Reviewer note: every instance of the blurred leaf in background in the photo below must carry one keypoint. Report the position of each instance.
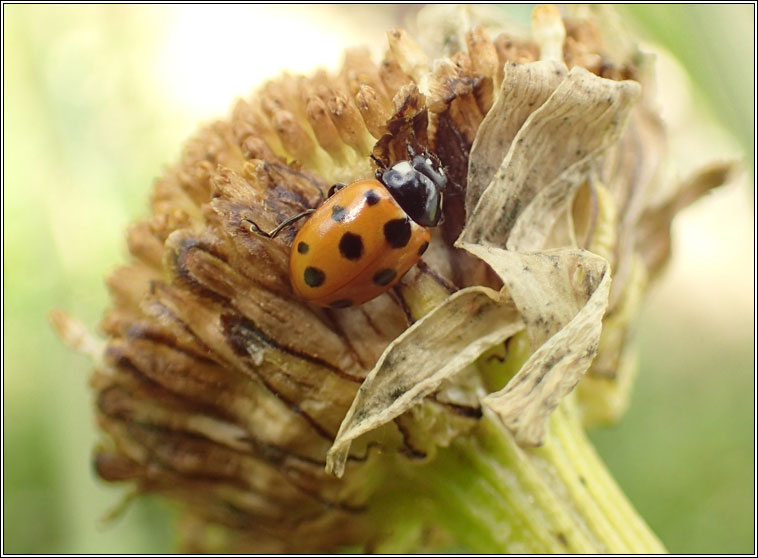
(84, 138)
(716, 44)
(98, 99)
(684, 453)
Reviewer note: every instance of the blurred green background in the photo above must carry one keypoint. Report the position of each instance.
(98, 100)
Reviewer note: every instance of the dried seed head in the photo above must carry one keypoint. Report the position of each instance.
(220, 389)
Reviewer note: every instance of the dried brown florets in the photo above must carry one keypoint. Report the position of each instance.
(222, 390)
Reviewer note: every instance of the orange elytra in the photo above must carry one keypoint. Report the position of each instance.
(362, 240)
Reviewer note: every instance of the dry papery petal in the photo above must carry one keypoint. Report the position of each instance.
(562, 296)
(416, 363)
(534, 149)
(654, 236)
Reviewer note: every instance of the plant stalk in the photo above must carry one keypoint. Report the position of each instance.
(493, 496)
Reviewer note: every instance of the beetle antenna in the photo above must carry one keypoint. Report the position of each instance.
(257, 230)
(378, 161)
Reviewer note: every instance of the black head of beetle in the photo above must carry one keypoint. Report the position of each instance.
(417, 185)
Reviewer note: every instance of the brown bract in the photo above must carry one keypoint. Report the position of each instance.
(217, 387)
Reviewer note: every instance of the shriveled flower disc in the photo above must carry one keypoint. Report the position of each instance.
(218, 387)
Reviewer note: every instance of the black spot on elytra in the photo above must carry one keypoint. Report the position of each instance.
(351, 246)
(302, 248)
(341, 303)
(314, 277)
(372, 198)
(338, 213)
(384, 277)
(397, 232)
(422, 248)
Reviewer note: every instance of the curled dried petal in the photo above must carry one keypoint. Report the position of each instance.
(435, 348)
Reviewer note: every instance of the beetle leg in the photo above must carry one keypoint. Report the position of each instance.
(257, 230)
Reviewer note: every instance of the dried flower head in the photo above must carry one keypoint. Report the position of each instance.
(219, 388)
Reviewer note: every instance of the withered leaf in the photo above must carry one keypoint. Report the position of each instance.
(548, 159)
(525, 88)
(561, 296)
(414, 365)
(654, 239)
(541, 159)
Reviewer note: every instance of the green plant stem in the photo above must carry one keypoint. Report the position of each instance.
(494, 496)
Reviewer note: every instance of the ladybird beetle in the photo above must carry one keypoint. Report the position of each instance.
(362, 240)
